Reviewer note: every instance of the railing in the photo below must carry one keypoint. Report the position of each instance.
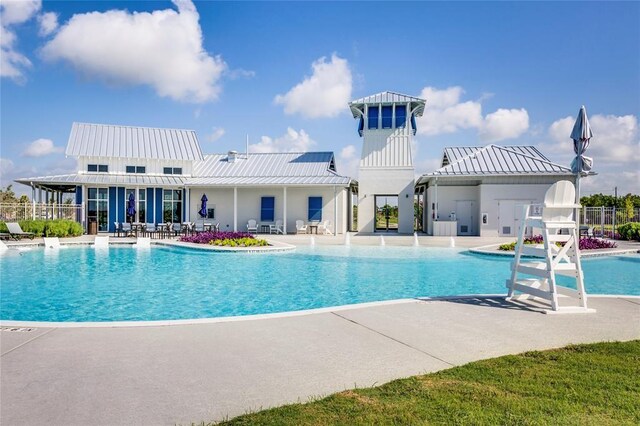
(13, 212)
(604, 221)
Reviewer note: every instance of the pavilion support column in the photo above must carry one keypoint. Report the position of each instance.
(235, 209)
(33, 202)
(284, 211)
(335, 210)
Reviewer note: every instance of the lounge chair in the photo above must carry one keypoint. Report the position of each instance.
(325, 227)
(301, 228)
(277, 228)
(16, 232)
(3, 247)
(125, 227)
(252, 226)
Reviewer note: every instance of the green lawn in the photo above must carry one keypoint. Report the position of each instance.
(596, 384)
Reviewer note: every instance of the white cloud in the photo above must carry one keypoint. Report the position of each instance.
(292, 141)
(162, 49)
(323, 94)
(615, 139)
(445, 112)
(13, 64)
(40, 148)
(504, 124)
(216, 133)
(48, 23)
(348, 161)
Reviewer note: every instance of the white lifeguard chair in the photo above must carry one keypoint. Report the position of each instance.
(557, 225)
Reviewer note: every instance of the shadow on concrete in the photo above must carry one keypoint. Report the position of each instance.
(498, 302)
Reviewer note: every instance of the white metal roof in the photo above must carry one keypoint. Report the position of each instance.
(290, 168)
(492, 160)
(387, 98)
(102, 140)
(106, 179)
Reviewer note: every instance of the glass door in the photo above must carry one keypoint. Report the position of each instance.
(386, 213)
(98, 207)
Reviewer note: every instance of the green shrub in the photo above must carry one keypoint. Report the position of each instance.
(239, 242)
(630, 231)
(49, 228)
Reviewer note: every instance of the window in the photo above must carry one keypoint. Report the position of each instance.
(141, 204)
(267, 207)
(131, 169)
(102, 168)
(387, 116)
(315, 209)
(177, 170)
(401, 116)
(172, 206)
(361, 126)
(373, 118)
(211, 213)
(172, 170)
(136, 169)
(168, 171)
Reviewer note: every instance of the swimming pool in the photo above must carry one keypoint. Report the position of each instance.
(162, 283)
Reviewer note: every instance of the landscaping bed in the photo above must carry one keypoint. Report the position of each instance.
(225, 239)
(588, 243)
(584, 384)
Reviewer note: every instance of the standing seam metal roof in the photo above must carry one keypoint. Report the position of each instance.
(496, 160)
(102, 140)
(387, 98)
(268, 168)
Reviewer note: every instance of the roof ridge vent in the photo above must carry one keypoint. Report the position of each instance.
(231, 156)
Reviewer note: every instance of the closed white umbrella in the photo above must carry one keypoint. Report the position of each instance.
(581, 136)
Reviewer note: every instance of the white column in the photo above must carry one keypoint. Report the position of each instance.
(235, 209)
(335, 211)
(284, 212)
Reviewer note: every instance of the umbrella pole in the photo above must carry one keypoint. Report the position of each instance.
(578, 208)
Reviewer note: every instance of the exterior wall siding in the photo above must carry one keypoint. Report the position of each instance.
(377, 181)
(119, 165)
(112, 208)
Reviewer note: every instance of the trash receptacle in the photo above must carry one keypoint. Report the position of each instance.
(93, 227)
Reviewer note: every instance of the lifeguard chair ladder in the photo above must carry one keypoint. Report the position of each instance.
(556, 217)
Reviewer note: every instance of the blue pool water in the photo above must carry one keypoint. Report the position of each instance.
(125, 284)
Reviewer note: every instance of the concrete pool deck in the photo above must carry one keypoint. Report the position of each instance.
(205, 372)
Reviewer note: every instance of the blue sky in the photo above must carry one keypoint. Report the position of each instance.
(283, 72)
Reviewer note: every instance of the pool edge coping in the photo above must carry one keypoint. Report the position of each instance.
(274, 315)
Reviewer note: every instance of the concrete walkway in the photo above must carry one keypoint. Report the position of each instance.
(205, 372)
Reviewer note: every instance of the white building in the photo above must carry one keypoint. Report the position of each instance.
(386, 174)
(481, 190)
(168, 175)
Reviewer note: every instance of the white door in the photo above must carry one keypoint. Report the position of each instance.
(464, 216)
(506, 218)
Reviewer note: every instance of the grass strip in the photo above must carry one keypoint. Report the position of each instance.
(595, 384)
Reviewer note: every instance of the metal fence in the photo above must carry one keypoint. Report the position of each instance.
(604, 221)
(13, 212)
